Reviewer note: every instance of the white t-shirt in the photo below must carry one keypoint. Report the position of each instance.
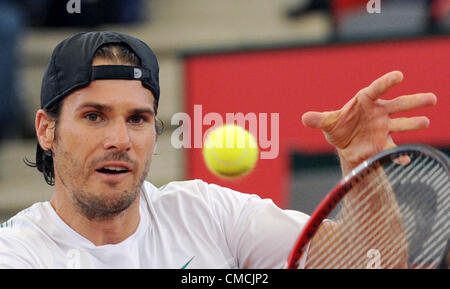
(189, 224)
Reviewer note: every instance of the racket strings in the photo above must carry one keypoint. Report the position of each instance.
(432, 246)
(394, 247)
(435, 218)
(364, 244)
(436, 212)
(375, 219)
(353, 236)
(407, 231)
(351, 255)
(344, 225)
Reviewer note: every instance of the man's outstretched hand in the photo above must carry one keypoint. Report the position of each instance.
(362, 127)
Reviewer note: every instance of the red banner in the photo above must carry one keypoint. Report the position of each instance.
(289, 82)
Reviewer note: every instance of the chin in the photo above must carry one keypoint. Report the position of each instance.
(105, 204)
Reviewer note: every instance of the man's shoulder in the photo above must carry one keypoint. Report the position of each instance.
(187, 185)
(27, 214)
(177, 189)
(21, 234)
(196, 191)
(195, 187)
(24, 226)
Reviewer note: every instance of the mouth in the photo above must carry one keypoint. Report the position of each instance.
(113, 171)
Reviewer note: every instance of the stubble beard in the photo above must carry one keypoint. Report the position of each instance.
(100, 207)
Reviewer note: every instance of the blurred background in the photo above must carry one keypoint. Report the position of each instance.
(249, 56)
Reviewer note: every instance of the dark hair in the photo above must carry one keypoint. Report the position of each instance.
(117, 53)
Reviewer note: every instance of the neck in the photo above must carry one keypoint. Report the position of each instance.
(111, 230)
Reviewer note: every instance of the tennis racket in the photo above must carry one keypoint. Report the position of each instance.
(392, 211)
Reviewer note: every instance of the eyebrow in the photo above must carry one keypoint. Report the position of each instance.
(143, 111)
(97, 106)
(106, 108)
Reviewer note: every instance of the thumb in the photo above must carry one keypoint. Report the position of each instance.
(389, 144)
(314, 119)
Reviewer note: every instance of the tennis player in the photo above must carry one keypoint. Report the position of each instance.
(97, 130)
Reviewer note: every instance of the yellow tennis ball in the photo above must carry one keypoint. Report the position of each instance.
(230, 151)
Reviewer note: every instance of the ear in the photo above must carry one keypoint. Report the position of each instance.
(45, 129)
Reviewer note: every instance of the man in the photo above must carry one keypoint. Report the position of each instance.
(97, 131)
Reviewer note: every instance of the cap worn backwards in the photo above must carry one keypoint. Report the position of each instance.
(71, 68)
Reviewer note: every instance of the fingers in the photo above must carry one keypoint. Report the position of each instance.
(408, 123)
(381, 85)
(409, 102)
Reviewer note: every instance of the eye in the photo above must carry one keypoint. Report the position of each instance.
(92, 117)
(137, 119)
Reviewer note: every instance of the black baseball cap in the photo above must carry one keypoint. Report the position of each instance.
(71, 68)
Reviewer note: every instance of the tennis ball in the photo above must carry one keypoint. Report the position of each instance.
(230, 151)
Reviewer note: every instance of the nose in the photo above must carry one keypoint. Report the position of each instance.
(118, 137)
